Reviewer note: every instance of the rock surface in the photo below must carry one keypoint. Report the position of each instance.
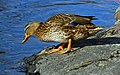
(93, 56)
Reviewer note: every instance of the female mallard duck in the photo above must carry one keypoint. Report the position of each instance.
(58, 28)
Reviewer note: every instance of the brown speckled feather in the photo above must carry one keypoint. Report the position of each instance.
(60, 32)
(68, 18)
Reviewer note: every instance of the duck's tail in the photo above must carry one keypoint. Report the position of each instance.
(95, 30)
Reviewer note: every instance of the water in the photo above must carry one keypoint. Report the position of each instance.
(15, 14)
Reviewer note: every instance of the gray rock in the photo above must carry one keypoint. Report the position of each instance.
(117, 14)
(93, 56)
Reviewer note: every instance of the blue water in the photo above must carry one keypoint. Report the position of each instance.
(15, 14)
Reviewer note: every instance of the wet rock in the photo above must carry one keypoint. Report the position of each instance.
(113, 31)
(93, 56)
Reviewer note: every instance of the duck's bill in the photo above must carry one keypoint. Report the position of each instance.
(25, 38)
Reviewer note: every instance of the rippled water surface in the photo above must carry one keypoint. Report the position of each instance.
(15, 14)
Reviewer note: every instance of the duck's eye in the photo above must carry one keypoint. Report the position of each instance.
(26, 27)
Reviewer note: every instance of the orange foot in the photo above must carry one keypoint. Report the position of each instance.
(69, 48)
(61, 47)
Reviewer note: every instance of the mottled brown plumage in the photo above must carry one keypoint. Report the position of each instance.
(58, 28)
(69, 18)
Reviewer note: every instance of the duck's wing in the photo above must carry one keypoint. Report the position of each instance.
(61, 32)
(71, 18)
(68, 28)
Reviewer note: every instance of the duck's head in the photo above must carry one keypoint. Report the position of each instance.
(30, 29)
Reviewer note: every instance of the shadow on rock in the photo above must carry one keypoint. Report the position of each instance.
(97, 41)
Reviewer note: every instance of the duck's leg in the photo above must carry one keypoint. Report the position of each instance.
(69, 48)
(61, 47)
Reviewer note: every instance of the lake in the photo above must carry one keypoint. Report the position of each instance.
(15, 14)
